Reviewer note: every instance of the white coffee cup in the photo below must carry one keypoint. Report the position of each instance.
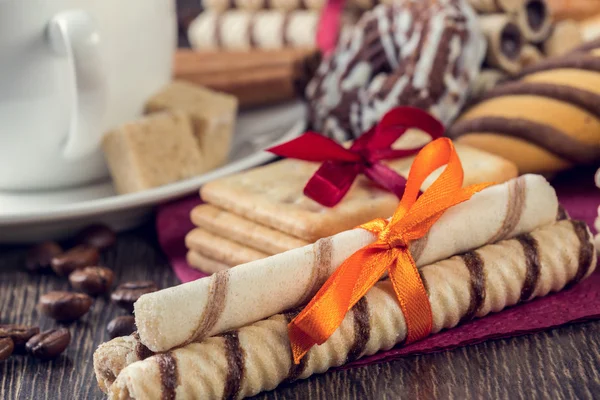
(69, 71)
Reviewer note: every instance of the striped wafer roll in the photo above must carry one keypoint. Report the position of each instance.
(243, 30)
(547, 121)
(504, 42)
(534, 20)
(255, 5)
(257, 357)
(257, 290)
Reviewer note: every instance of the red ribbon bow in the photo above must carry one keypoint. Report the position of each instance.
(341, 166)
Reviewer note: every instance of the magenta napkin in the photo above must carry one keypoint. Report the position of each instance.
(576, 192)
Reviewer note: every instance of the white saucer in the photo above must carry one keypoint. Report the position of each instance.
(36, 216)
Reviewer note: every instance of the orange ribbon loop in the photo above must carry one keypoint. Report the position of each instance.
(390, 252)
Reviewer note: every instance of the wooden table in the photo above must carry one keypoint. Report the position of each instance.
(561, 363)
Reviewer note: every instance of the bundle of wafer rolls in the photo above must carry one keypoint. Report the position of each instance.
(262, 212)
(547, 121)
(255, 77)
(226, 337)
(244, 30)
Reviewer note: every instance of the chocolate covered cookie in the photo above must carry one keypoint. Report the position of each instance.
(546, 121)
(410, 53)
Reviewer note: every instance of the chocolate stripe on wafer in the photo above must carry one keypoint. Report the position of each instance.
(218, 21)
(362, 329)
(561, 144)
(235, 365)
(583, 99)
(322, 251)
(586, 250)
(532, 261)
(215, 305)
(417, 246)
(250, 32)
(141, 351)
(284, 30)
(474, 264)
(577, 61)
(169, 377)
(561, 214)
(514, 209)
(295, 369)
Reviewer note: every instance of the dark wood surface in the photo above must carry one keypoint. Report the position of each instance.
(561, 363)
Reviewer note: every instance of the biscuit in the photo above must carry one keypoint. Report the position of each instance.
(221, 249)
(242, 230)
(272, 195)
(204, 264)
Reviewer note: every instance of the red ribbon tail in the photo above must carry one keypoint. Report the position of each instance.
(329, 26)
(331, 182)
(387, 178)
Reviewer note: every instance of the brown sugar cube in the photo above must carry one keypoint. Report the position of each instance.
(213, 116)
(152, 151)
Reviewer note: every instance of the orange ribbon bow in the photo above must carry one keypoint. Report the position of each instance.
(357, 274)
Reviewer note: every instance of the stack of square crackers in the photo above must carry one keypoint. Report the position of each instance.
(263, 211)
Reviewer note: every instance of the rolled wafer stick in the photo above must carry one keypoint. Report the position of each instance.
(257, 357)
(565, 36)
(534, 21)
(530, 55)
(266, 287)
(504, 42)
(243, 30)
(487, 79)
(494, 6)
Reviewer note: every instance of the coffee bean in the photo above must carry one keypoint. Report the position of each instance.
(19, 334)
(98, 236)
(76, 258)
(121, 326)
(49, 344)
(6, 348)
(92, 280)
(39, 257)
(128, 293)
(65, 306)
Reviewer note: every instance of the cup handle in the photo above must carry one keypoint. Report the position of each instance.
(73, 34)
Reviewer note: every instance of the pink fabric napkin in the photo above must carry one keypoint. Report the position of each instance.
(576, 192)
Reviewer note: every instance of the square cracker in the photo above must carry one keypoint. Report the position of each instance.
(243, 231)
(221, 249)
(272, 195)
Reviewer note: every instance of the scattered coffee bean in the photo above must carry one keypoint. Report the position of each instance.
(49, 344)
(128, 293)
(98, 236)
(121, 326)
(65, 306)
(6, 348)
(19, 334)
(92, 280)
(39, 257)
(76, 258)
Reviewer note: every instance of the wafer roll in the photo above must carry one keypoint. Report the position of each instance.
(504, 42)
(257, 290)
(494, 6)
(487, 79)
(242, 30)
(204, 264)
(530, 55)
(242, 230)
(255, 5)
(566, 35)
(534, 21)
(256, 358)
